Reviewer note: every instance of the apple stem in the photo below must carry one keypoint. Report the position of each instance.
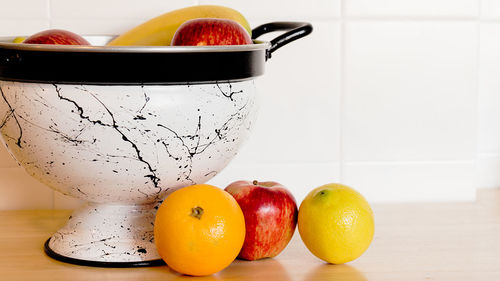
(255, 182)
(197, 212)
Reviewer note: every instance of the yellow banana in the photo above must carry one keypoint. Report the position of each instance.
(160, 30)
(19, 39)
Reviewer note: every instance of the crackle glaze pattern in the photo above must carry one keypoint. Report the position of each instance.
(107, 232)
(126, 145)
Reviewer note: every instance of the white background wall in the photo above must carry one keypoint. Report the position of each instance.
(398, 98)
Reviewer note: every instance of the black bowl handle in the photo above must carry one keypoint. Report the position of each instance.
(295, 30)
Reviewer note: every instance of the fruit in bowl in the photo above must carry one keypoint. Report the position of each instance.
(56, 37)
(208, 31)
(19, 39)
(270, 217)
(160, 30)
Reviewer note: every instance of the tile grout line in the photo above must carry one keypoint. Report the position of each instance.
(49, 12)
(489, 20)
(408, 162)
(489, 154)
(411, 18)
(342, 91)
(478, 87)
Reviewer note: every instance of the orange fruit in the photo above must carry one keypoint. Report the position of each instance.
(199, 230)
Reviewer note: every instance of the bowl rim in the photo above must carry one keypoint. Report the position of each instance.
(125, 65)
(6, 42)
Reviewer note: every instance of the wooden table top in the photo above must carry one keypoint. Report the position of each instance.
(417, 241)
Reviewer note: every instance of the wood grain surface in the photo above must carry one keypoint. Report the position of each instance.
(417, 241)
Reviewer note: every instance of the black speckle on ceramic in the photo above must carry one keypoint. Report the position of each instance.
(122, 146)
(106, 232)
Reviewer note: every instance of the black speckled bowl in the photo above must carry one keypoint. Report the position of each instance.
(120, 127)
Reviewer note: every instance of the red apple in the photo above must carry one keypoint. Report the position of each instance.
(270, 214)
(208, 31)
(57, 37)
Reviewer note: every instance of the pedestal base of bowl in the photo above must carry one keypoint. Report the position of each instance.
(107, 236)
(123, 144)
(66, 259)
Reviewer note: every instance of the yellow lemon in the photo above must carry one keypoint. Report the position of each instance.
(336, 223)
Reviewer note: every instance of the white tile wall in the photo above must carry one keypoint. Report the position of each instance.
(418, 181)
(21, 10)
(411, 8)
(283, 10)
(62, 201)
(490, 9)
(20, 191)
(108, 17)
(300, 178)
(489, 103)
(415, 85)
(298, 119)
(395, 98)
(489, 86)
(96, 26)
(13, 27)
(488, 167)
(113, 9)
